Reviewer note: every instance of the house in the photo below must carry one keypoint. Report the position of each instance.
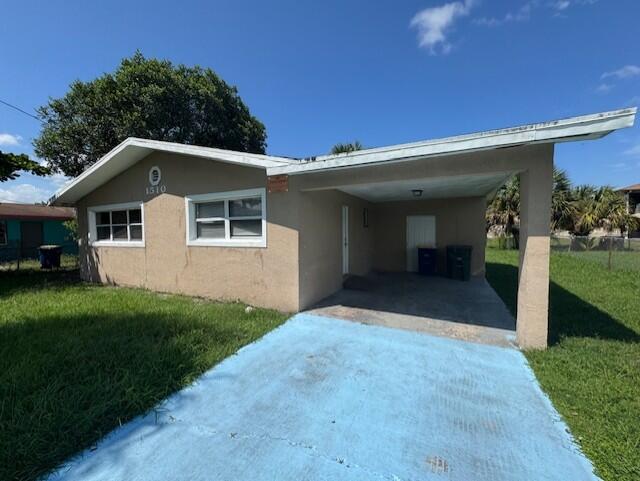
(632, 196)
(283, 233)
(25, 227)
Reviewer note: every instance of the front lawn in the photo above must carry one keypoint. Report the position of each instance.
(78, 360)
(591, 370)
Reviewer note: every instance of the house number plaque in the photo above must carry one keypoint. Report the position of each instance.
(155, 177)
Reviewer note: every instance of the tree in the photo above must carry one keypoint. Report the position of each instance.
(147, 98)
(614, 214)
(504, 210)
(12, 164)
(562, 209)
(588, 207)
(345, 148)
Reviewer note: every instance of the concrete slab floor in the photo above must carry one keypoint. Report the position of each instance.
(470, 311)
(324, 399)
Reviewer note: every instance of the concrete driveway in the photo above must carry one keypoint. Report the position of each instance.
(327, 399)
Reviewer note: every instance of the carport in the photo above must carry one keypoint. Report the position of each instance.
(469, 311)
(356, 209)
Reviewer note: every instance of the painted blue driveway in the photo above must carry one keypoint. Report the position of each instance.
(325, 399)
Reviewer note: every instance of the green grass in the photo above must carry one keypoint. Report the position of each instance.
(620, 260)
(67, 261)
(77, 360)
(591, 370)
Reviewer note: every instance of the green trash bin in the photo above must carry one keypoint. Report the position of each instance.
(459, 262)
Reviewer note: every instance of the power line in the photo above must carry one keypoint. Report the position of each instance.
(20, 110)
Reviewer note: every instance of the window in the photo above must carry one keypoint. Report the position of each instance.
(227, 219)
(3, 232)
(118, 224)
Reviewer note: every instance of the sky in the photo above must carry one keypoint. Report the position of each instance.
(317, 73)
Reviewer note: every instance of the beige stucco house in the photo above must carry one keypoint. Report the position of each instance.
(283, 233)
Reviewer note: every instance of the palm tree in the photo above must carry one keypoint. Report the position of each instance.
(562, 209)
(347, 147)
(504, 210)
(587, 213)
(614, 215)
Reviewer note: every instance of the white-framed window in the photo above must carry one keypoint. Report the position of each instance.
(120, 225)
(233, 219)
(3, 233)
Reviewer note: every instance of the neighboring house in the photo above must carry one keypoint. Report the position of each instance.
(283, 233)
(25, 227)
(632, 195)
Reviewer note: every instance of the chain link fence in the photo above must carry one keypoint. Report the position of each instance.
(13, 256)
(612, 252)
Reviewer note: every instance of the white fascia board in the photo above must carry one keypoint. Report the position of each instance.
(231, 156)
(134, 149)
(565, 130)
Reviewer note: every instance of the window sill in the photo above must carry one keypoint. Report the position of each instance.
(116, 244)
(261, 243)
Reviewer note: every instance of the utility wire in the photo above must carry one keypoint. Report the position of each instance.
(20, 110)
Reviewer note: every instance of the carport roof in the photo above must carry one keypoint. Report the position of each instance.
(571, 129)
(133, 150)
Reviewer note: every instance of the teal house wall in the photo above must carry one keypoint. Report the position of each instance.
(13, 231)
(53, 232)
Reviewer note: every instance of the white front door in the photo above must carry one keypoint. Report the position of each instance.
(345, 239)
(421, 232)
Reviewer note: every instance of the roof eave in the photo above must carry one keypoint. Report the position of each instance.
(75, 191)
(566, 130)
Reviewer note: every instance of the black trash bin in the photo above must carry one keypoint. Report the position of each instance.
(50, 256)
(427, 257)
(459, 262)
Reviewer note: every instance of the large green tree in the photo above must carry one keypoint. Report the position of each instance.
(147, 98)
(12, 164)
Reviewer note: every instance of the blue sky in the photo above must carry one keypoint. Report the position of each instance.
(317, 73)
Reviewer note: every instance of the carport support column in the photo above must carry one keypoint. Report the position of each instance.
(536, 185)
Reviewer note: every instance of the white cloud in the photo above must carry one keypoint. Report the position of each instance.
(561, 5)
(635, 150)
(10, 139)
(621, 166)
(26, 193)
(525, 11)
(434, 23)
(604, 88)
(520, 15)
(59, 180)
(627, 71)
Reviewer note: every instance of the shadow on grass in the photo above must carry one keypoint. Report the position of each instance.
(67, 381)
(29, 279)
(569, 315)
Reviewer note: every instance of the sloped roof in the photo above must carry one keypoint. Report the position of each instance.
(584, 127)
(133, 150)
(31, 212)
(631, 188)
(564, 130)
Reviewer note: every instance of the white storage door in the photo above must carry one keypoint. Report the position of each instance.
(421, 231)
